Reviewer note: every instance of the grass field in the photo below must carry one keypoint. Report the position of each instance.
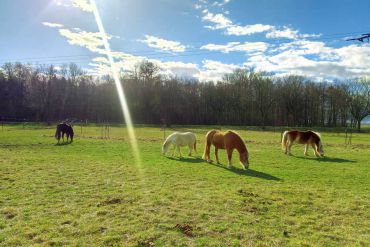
(92, 193)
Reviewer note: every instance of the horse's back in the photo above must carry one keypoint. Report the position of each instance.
(233, 139)
(304, 137)
(184, 138)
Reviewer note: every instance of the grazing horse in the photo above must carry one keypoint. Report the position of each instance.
(302, 137)
(229, 140)
(178, 140)
(62, 129)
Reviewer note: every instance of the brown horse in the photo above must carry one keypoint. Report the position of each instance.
(229, 140)
(302, 137)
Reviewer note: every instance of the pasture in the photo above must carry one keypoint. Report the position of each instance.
(93, 193)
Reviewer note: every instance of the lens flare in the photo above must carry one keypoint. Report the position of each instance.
(121, 94)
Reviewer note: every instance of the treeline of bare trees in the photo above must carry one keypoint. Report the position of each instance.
(241, 98)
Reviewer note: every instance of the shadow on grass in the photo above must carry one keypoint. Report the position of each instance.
(326, 159)
(249, 172)
(63, 143)
(186, 159)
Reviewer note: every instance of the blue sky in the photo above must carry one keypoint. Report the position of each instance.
(196, 38)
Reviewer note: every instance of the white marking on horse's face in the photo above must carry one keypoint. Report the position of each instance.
(246, 165)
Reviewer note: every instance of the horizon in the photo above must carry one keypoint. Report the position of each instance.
(194, 39)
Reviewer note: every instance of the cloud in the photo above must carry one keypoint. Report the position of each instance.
(248, 29)
(214, 70)
(84, 5)
(90, 40)
(288, 33)
(51, 24)
(220, 4)
(237, 46)
(314, 59)
(163, 44)
(220, 21)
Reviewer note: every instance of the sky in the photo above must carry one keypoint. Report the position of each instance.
(200, 39)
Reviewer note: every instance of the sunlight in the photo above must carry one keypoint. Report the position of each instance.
(121, 94)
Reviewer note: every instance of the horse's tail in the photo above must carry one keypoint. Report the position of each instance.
(284, 139)
(208, 142)
(195, 145)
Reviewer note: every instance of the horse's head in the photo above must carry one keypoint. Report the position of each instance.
(321, 149)
(165, 147)
(244, 159)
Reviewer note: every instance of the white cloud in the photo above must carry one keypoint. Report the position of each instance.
(219, 21)
(248, 29)
(315, 59)
(237, 46)
(163, 44)
(51, 24)
(288, 33)
(60, 3)
(220, 4)
(214, 70)
(90, 40)
(84, 5)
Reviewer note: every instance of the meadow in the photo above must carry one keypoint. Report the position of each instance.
(93, 193)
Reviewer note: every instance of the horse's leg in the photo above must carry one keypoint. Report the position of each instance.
(190, 149)
(314, 146)
(290, 147)
(63, 136)
(305, 149)
(173, 150)
(229, 156)
(216, 154)
(178, 148)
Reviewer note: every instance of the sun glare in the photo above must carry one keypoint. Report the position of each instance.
(120, 90)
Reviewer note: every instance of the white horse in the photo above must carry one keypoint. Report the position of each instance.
(178, 140)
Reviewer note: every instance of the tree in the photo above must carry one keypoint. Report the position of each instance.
(359, 100)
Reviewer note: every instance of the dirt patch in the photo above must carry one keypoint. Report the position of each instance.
(67, 222)
(9, 215)
(246, 193)
(185, 229)
(31, 235)
(110, 202)
(146, 243)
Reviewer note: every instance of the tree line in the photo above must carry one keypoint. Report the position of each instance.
(243, 97)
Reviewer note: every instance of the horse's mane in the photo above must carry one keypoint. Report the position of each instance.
(317, 133)
(244, 147)
(167, 141)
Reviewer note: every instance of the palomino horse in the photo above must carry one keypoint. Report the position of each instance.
(178, 140)
(302, 137)
(229, 140)
(62, 129)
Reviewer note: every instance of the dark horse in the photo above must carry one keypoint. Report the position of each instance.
(62, 129)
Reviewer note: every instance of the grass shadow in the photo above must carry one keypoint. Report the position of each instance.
(326, 159)
(186, 159)
(248, 172)
(63, 143)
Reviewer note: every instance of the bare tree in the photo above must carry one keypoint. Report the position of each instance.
(359, 100)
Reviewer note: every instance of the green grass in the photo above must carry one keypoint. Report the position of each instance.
(91, 193)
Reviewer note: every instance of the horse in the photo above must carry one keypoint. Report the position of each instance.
(64, 128)
(228, 140)
(302, 137)
(178, 139)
